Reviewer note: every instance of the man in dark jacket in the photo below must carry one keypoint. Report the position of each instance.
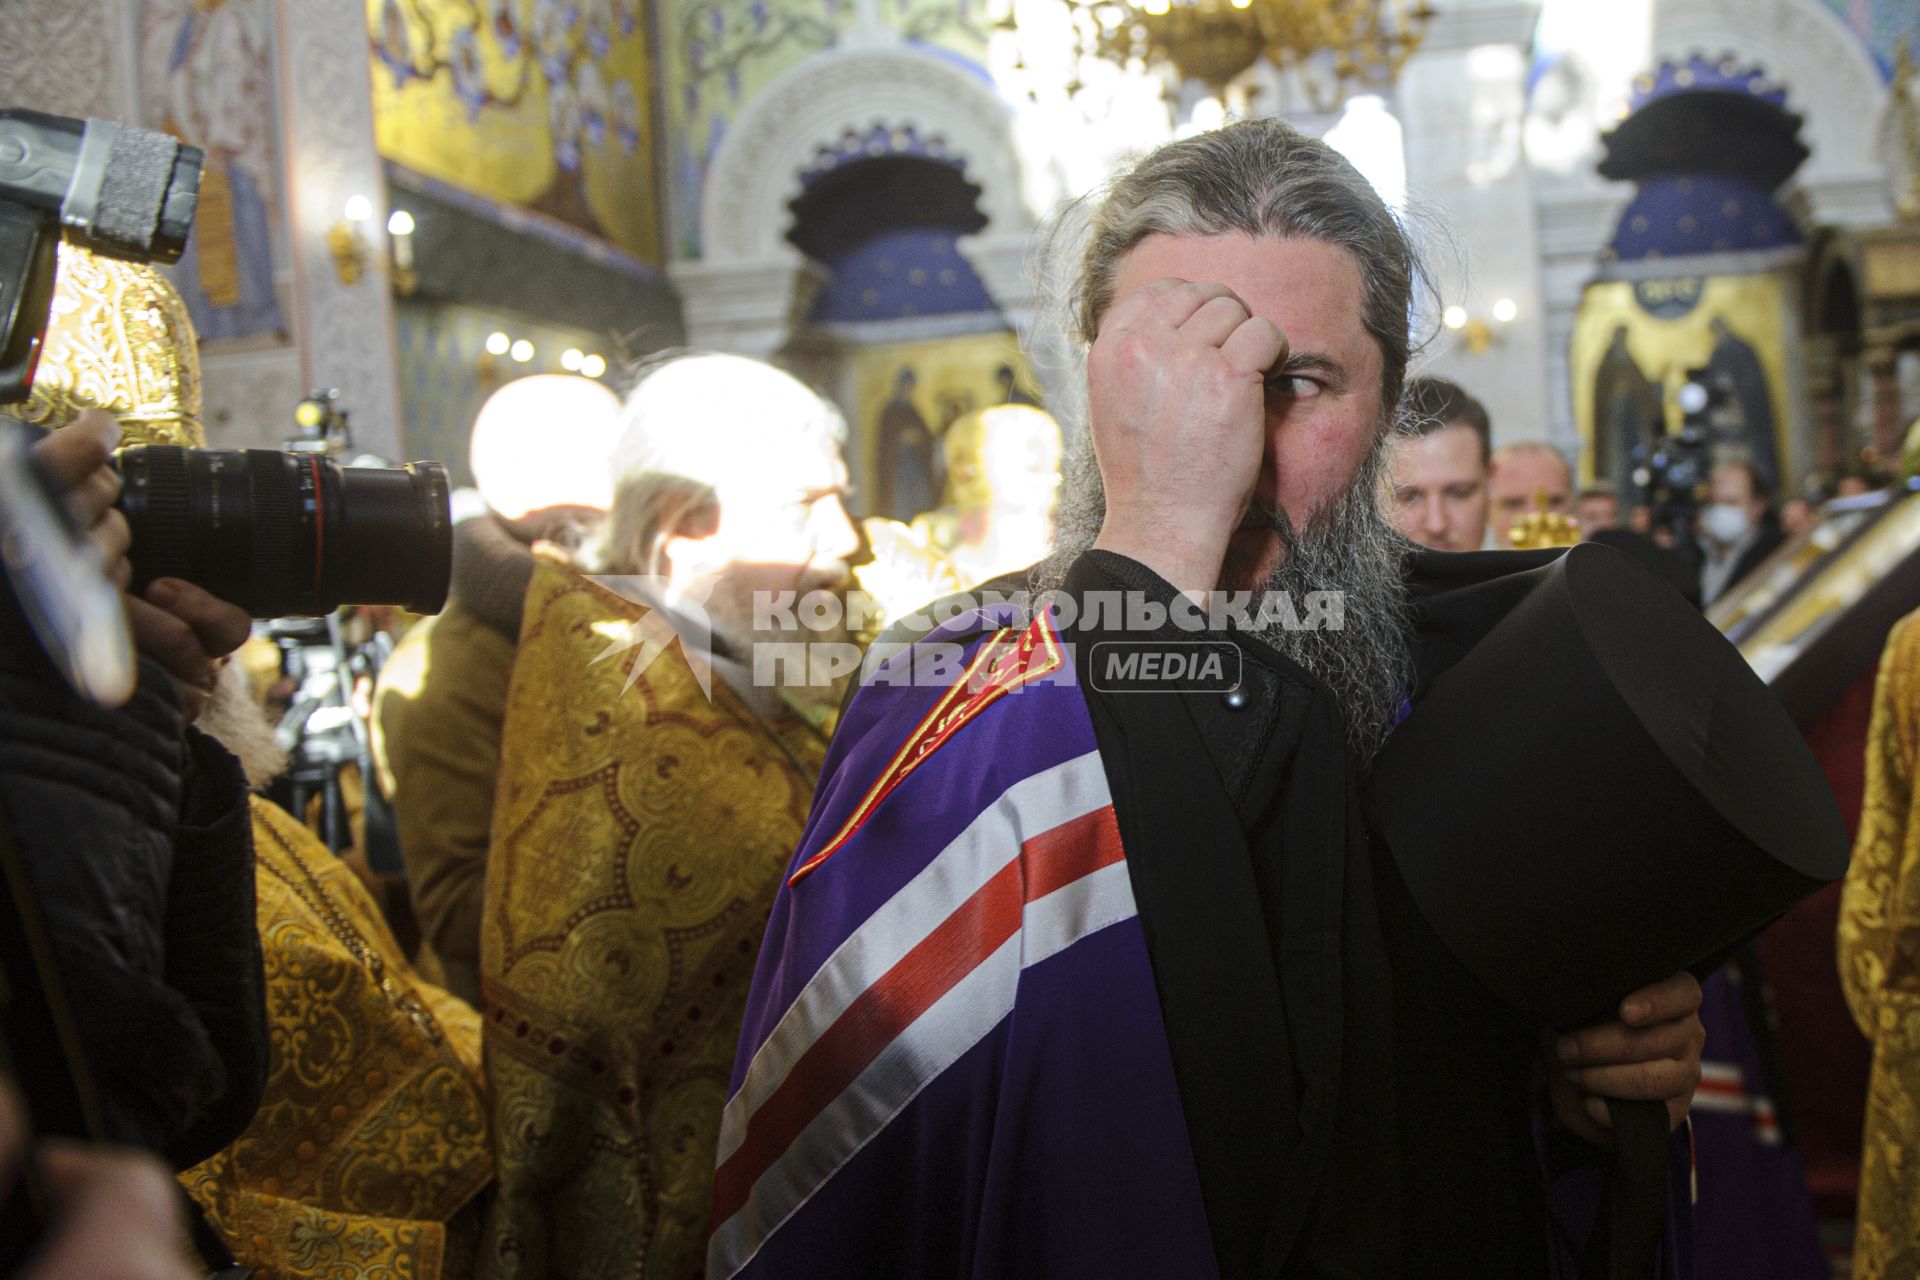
(134, 833)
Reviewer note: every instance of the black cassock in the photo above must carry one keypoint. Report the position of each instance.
(1358, 1106)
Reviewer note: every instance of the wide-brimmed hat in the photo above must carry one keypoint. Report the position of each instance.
(1600, 794)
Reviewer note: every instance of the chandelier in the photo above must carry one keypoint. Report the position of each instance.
(1333, 47)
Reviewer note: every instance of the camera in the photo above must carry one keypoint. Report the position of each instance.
(1672, 471)
(294, 532)
(275, 533)
(283, 534)
(323, 425)
(128, 193)
(324, 662)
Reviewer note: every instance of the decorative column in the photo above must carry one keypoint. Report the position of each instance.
(1882, 361)
(1824, 389)
(69, 57)
(1461, 100)
(345, 326)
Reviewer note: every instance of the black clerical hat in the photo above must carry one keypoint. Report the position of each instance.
(1600, 794)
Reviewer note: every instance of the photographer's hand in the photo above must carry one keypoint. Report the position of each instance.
(116, 1213)
(76, 458)
(183, 628)
(189, 632)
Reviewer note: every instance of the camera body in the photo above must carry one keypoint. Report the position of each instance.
(1671, 473)
(277, 533)
(128, 193)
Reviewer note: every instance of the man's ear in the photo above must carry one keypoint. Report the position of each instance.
(692, 515)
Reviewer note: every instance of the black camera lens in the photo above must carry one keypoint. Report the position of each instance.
(282, 534)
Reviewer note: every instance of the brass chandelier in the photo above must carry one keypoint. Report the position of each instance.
(1336, 47)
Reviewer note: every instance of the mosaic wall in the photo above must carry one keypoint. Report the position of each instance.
(1880, 24)
(541, 104)
(206, 76)
(924, 387)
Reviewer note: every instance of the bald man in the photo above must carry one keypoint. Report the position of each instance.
(1519, 473)
(540, 456)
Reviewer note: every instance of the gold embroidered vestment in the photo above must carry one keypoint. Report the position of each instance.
(372, 1135)
(639, 834)
(1879, 940)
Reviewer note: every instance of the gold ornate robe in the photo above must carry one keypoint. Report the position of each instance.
(638, 836)
(372, 1137)
(1879, 940)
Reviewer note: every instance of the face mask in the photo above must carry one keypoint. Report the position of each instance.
(1725, 523)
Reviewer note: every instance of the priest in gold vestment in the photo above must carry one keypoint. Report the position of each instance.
(655, 780)
(1003, 478)
(370, 1146)
(1879, 938)
(369, 1154)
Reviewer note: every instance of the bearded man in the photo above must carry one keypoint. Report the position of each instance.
(652, 786)
(1073, 982)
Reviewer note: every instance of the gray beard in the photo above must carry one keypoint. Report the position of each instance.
(1348, 546)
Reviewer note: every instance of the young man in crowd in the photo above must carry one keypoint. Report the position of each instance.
(1439, 489)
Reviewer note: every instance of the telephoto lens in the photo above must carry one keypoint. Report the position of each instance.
(285, 534)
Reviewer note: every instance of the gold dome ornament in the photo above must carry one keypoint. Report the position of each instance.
(1003, 455)
(119, 339)
(1541, 528)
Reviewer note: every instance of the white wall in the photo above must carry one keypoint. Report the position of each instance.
(1461, 101)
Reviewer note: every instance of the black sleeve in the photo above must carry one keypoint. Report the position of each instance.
(93, 796)
(1171, 771)
(213, 943)
(134, 836)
